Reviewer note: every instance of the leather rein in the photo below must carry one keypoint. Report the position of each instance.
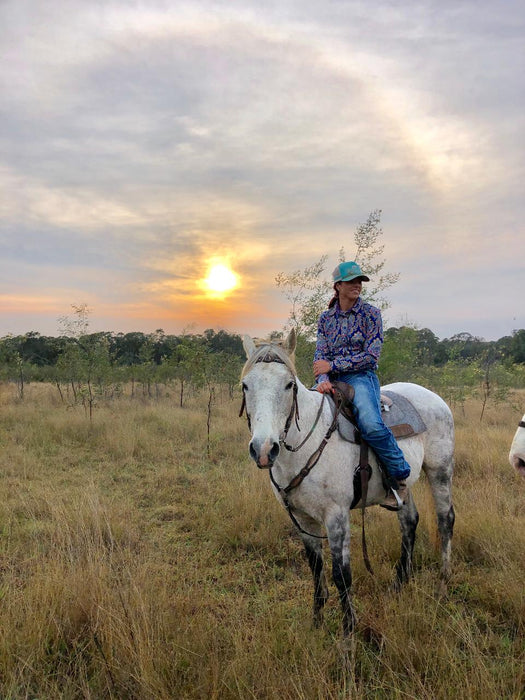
(314, 458)
(310, 464)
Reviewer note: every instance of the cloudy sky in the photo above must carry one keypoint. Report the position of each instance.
(143, 141)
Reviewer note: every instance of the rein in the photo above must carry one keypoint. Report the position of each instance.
(316, 421)
(364, 474)
(298, 478)
(314, 458)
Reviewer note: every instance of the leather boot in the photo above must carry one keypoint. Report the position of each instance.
(391, 502)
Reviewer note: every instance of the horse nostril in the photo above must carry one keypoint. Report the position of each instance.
(253, 453)
(274, 452)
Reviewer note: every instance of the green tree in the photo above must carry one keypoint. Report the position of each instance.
(308, 291)
(517, 346)
(429, 349)
(147, 367)
(183, 363)
(398, 355)
(14, 367)
(221, 341)
(85, 363)
(127, 347)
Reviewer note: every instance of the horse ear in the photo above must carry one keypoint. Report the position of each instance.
(248, 345)
(290, 342)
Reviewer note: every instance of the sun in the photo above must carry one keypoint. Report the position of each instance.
(220, 280)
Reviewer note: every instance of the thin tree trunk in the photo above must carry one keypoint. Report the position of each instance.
(21, 384)
(60, 390)
(90, 401)
(208, 421)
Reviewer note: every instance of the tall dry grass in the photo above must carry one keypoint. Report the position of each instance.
(134, 565)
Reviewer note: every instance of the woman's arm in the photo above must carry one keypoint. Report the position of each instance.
(321, 355)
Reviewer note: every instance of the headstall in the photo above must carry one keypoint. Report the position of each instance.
(294, 411)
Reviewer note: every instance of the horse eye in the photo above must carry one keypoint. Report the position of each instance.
(289, 386)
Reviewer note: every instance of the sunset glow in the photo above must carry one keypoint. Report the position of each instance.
(247, 144)
(220, 280)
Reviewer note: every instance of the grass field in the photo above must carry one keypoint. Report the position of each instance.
(135, 565)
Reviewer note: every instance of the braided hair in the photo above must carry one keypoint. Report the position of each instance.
(334, 298)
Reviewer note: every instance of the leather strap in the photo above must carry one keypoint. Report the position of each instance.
(363, 468)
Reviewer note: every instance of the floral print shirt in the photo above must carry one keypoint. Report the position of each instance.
(350, 340)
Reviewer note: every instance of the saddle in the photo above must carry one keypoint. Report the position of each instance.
(398, 414)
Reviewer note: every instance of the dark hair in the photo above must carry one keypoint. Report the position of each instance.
(334, 298)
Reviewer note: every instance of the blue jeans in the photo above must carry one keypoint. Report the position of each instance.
(367, 412)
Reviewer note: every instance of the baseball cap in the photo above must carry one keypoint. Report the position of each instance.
(347, 271)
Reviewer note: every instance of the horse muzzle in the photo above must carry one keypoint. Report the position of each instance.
(264, 453)
(518, 462)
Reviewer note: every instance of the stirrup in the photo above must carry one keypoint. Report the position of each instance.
(399, 502)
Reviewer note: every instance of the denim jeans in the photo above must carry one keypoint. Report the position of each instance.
(367, 412)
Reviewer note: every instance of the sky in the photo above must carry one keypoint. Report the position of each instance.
(141, 142)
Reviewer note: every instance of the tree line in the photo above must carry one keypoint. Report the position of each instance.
(88, 367)
(123, 349)
(85, 365)
(136, 348)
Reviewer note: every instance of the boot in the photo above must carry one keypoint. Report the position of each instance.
(391, 502)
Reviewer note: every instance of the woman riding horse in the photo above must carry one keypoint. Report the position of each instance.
(349, 341)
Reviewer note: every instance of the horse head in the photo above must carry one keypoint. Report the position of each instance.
(269, 388)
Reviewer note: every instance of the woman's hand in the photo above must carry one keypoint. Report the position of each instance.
(322, 367)
(325, 388)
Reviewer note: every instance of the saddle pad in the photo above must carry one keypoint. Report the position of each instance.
(402, 411)
(401, 417)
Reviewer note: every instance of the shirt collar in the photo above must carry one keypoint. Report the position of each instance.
(336, 309)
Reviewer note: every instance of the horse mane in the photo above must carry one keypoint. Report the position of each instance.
(267, 351)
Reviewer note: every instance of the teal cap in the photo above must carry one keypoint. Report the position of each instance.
(347, 271)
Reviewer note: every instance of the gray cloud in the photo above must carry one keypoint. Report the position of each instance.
(144, 139)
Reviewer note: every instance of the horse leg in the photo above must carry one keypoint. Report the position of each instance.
(441, 487)
(314, 554)
(408, 519)
(446, 518)
(338, 530)
(446, 530)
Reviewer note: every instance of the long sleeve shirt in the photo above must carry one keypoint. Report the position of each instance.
(350, 340)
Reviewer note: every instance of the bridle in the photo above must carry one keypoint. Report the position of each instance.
(314, 457)
(521, 424)
(294, 410)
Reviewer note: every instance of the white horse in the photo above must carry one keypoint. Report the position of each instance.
(517, 449)
(313, 476)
